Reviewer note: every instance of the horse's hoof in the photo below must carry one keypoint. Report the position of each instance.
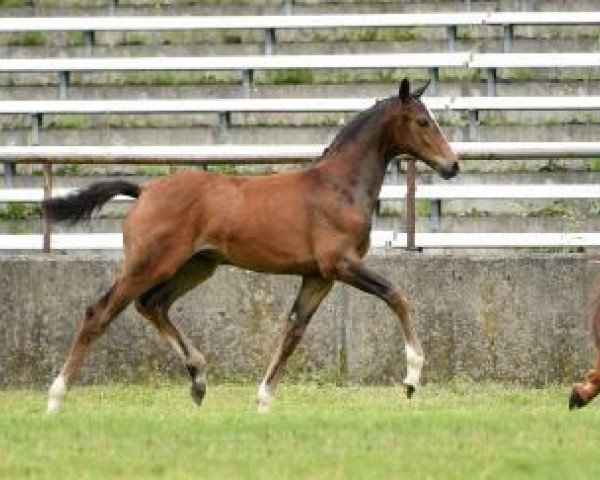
(263, 407)
(198, 391)
(575, 401)
(410, 390)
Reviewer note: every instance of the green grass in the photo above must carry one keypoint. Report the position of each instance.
(28, 39)
(288, 77)
(20, 211)
(14, 3)
(460, 431)
(593, 165)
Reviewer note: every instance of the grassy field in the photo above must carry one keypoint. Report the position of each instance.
(457, 431)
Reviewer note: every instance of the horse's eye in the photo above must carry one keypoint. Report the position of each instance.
(423, 122)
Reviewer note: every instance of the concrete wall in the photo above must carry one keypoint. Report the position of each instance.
(517, 318)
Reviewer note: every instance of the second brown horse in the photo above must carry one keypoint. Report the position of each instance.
(315, 223)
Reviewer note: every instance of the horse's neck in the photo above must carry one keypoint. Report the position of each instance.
(360, 166)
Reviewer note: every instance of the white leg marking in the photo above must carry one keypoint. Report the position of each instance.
(414, 365)
(56, 393)
(264, 398)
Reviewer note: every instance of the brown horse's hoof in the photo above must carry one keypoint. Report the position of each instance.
(576, 400)
(198, 391)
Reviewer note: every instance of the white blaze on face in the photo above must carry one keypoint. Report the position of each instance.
(431, 116)
(437, 124)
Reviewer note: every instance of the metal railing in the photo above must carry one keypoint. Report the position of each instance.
(288, 154)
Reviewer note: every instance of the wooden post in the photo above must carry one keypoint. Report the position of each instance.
(411, 174)
(47, 195)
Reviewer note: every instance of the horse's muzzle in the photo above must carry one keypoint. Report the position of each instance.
(448, 173)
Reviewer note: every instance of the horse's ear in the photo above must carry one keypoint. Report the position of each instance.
(404, 92)
(420, 91)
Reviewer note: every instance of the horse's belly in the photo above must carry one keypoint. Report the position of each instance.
(268, 255)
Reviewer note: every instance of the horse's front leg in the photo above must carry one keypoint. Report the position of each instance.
(312, 292)
(355, 273)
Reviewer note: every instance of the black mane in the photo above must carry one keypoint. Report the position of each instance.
(349, 131)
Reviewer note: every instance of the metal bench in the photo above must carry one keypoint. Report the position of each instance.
(270, 24)
(302, 153)
(492, 62)
(246, 64)
(226, 107)
(510, 20)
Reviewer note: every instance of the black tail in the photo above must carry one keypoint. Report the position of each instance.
(80, 205)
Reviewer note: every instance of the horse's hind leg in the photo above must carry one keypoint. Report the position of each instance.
(140, 272)
(97, 318)
(312, 292)
(155, 303)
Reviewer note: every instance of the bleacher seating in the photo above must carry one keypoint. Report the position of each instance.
(470, 73)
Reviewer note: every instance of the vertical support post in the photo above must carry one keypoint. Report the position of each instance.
(434, 75)
(10, 171)
(436, 214)
(112, 6)
(247, 77)
(288, 7)
(89, 38)
(411, 174)
(47, 195)
(63, 84)
(468, 5)
(270, 40)
(492, 80)
(473, 125)
(36, 126)
(508, 34)
(451, 35)
(224, 124)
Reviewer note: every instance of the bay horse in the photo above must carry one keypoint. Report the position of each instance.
(314, 222)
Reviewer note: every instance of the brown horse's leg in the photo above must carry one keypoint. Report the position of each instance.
(354, 273)
(155, 303)
(584, 393)
(137, 277)
(96, 320)
(311, 294)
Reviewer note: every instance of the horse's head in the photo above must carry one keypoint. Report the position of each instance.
(416, 132)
